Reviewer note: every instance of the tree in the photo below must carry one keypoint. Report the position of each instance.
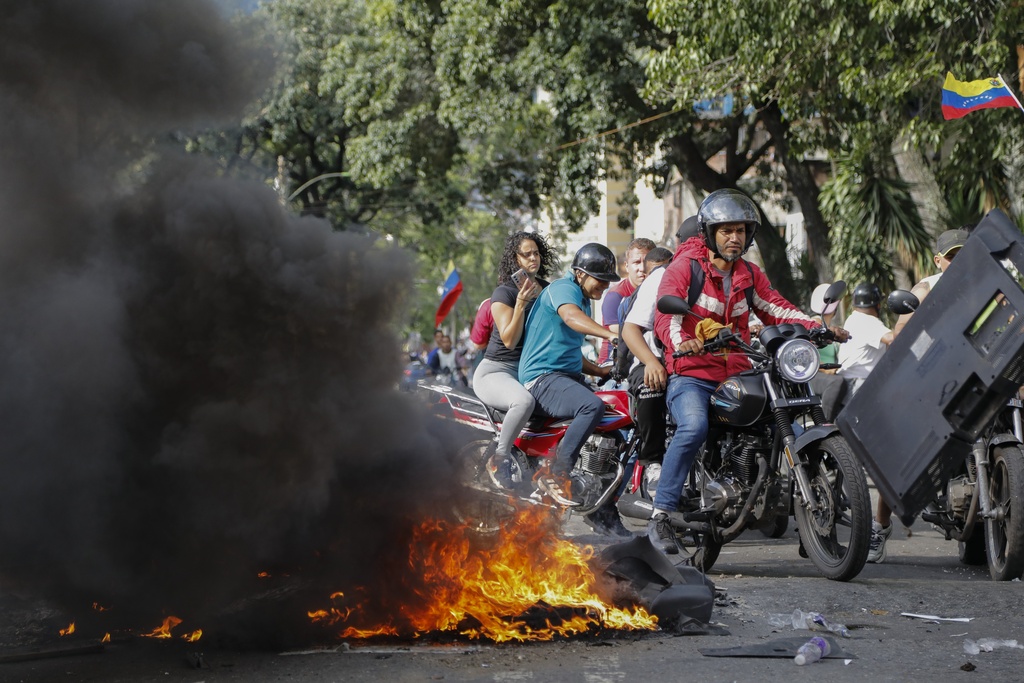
(846, 79)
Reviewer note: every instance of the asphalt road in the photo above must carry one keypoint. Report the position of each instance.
(761, 577)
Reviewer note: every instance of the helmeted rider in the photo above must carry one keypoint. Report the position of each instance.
(552, 364)
(869, 337)
(727, 221)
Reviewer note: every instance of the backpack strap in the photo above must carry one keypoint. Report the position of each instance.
(697, 284)
(750, 290)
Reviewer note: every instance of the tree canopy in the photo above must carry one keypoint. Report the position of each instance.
(444, 124)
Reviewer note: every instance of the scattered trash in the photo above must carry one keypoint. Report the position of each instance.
(811, 651)
(782, 648)
(932, 617)
(972, 647)
(812, 621)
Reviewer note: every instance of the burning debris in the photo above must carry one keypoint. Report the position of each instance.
(526, 585)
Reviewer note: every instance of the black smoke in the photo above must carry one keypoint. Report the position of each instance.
(195, 385)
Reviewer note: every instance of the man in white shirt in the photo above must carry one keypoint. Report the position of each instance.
(647, 375)
(869, 336)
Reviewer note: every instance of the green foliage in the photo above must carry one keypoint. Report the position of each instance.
(850, 77)
(873, 218)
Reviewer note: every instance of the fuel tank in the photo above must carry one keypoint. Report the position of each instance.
(739, 401)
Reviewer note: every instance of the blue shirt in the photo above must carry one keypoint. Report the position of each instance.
(551, 345)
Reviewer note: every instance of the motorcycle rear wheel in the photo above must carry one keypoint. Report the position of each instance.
(1004, 534)
(972, 552)
(480, 505)
(698, 549)
(777, 528)
(836, 536)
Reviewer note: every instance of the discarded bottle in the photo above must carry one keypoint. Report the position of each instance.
(811, 621)
(838, 629)
(811, 651)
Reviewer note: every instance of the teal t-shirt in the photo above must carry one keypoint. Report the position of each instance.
(551, 345)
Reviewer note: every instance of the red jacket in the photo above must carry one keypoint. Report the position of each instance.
(770, 306)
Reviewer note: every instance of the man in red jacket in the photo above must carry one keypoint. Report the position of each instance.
(727, 221)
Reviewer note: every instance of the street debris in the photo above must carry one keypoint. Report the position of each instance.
(972, 647)
(932, 617)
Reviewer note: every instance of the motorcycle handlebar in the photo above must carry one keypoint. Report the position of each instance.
(725, 338)
(822, 336)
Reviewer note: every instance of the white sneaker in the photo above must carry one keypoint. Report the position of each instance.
(652, 475)
(879, 535)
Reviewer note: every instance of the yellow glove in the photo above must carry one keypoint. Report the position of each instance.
(709, 329)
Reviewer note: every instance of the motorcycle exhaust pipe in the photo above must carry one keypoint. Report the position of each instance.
(632, 505)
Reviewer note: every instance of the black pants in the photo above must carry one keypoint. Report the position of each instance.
(649, 409)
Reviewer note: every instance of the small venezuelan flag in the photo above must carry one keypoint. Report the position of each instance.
(449, 294)
(960, 98)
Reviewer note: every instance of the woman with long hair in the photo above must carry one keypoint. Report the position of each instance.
(528, 259)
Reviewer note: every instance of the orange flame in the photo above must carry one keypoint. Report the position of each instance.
(69, 630)
(194, 636)
(483, 593)
(164, 631)
(99, 608)
(106, 638)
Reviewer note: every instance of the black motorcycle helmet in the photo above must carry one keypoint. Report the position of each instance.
(727, 206)
(596, 260)
(866, 295)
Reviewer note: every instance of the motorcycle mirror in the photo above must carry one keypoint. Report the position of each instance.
(673, 305)
(902, 302)
(834, 292)
(819, 306)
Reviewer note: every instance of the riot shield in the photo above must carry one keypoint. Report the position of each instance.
(944, 379)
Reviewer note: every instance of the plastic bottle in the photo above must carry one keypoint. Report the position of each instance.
(838, 629)
(811, 651)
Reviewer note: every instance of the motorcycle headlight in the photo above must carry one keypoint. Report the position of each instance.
(797, 360)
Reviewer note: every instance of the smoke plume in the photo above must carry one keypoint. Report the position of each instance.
(195, 385)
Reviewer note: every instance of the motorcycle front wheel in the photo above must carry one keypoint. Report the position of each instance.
(1004, 533)
(836, 536)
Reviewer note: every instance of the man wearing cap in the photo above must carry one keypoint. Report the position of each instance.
(946, 247)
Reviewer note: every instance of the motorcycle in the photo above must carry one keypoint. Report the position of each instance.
(756, 467)
(499, 484)
(977, 506)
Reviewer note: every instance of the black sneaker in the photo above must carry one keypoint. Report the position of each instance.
(662, 535)
(606, 521)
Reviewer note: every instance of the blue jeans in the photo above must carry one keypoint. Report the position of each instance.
(563, 396)
(689, 400)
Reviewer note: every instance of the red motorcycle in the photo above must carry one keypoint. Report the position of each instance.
(595, 479)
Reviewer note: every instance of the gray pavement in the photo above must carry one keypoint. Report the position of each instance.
(760, 576)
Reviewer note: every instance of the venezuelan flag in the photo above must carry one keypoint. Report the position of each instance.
(449, 294)
(960, 98)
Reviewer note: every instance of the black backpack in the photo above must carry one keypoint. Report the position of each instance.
(625, 357)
